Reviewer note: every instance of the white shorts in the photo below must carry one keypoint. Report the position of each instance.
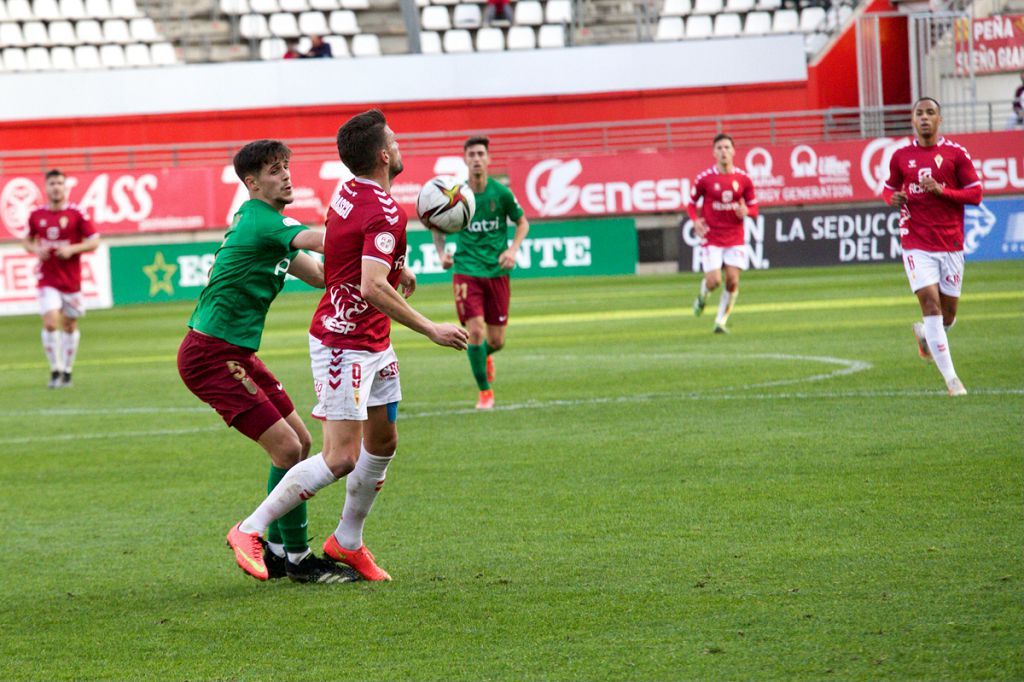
(71, 305)
(712, 257)
(945, 268)
(349, 381)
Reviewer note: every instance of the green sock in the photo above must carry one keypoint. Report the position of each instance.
(290, 529)
(488, 348)
(478, 363)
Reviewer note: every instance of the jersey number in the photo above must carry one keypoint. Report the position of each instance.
(238, 372)
(461, 291)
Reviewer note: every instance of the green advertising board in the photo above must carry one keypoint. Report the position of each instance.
(177, 272)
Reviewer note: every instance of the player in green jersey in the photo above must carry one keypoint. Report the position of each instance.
(217, 359)
(482, 262)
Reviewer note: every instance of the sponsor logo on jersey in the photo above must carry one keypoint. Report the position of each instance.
(348, 304)
(282, 266)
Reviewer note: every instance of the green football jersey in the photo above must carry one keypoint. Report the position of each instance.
(247, 275)
(486, 236)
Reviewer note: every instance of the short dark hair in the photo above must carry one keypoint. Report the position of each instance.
(360, 139)
(54, 173)
(475, 140)
(251, 158)
(930, 99)
(722, 136)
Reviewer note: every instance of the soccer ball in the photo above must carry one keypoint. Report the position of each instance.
(445, 204)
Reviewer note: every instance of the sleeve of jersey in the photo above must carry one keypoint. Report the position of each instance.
(88, 230)
(512, 207)
(691, 203)
(895, 181)
(751, 199)
(380, 240)
(966, 175)
(281, 234)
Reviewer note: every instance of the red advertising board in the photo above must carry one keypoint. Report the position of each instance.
(783, 175)
(992, 45)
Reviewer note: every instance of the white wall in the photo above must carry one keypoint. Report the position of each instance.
(244, 85)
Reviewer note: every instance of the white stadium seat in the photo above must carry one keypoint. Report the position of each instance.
(324, 5)
(125, 9)
(558, 12)
(727, 24)
(466, 15)
(272, 48)
(234, 7)
(11, 35)
(457, 40)
(89, 32)
(430, 42)
(137, 54)
(283, 25)
(522, 38)
(669, 28)
(62, 33)
(698, 26)
(14, 59)
(785, 21)
(72, 9)
(758, 23)
(253, 26)
(294, 6)
(163, 54)
(676, 8)
(435, 18)
(38, 59)
(811, 19)
(47, 10)
(490, 40)
(814, 42)
(313, 24)
(3, 17)
(355, 4)
(264, 6)
(62, 58)
(143, 30)
(112, 56)
(343, 22)
(339, 46)
(769, 4)
(34, 33)
(739, 5)
(87, 57)
(528, 13)
(365, 45)
(116, 31)
(707, 6)
(446, 2)
(551, 36)
(98, 9)
(19, 10)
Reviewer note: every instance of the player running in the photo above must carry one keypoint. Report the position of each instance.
(482, 263)
(217, 359)
(59, 233)
(728, 199)
(355, 370)
(930, 181)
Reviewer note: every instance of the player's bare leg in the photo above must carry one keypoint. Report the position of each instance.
(51, 345)
(939, 312)
(69, 347)
(728, 298)
(477, 354)
(708, 283)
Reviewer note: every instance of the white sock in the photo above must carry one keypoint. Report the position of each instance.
(276, 547)
(297, 557)
(725, 304)
(949, 326)
(51, 346)
(361, 488)
(70, 345)
(939, 346)
(300, 483)
(703, 288)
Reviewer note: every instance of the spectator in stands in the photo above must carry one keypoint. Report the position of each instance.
(292, 49)
(1018, 101)
(318, 48)
(497, 9)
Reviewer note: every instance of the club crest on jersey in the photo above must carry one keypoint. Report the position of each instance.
(717, 187)
(727, 196)
(42, 223)
(912, 163)
(735, 186)
(63, 221)
(938, 160)
(385, 242)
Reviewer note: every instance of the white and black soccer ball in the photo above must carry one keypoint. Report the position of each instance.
(445, 204)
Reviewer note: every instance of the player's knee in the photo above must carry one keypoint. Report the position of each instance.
(496, 344)
(340, 460)
(49, 326)
(305, 444)
(383, 446)
(70, 326)
(732, 285)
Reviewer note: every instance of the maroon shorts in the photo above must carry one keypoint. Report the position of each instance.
(233, 381)
(485, 297)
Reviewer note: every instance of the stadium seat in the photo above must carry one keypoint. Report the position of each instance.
(19, 10)
(758, 23)
(87, 57)
(272, 48)
(457, 40)
(445, 2)
(435, 18)
(234, 7)
(699, 27)
(490, 40)
(253, 26)
(727, 24)
(143, 30)
(14, 59)
(528, 13)
(551, 36)
(112, 56)
(365, 45)
(466, 15)
(339, 46)
(34, 33)
(46, 10)
(811, 19)
(72, 9)
(324, 5)
(62, 58)
(37, 59)
(11, 35)
(98, 9)
(3, 17)
(676, 8)
(125, 9)
(137, 54)
(313, 24)
(669, 28)
(814, 42)
(264, 6)
(163, 54)
(355, 4)
(739, 6)
(62, 33)
(343, 22)
(785, 21)
(522, 38)
(430, 42)
(707, 6)
(116, 31)
(558, 12)
(294, 6)
(89, 32)
(769, 4)
(283, 25)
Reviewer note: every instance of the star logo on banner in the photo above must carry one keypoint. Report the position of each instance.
(160, 273)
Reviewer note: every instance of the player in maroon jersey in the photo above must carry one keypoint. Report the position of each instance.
(59, 233)
(355, 370)
(728, 198)
(930, 181)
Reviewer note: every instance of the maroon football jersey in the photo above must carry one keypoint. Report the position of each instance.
(53, 229)
(722, 193)
(363, 221)
(929, 222)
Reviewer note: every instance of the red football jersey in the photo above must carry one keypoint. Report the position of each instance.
(929, 222)
(721, 193)
(53, 229)
(363, 221)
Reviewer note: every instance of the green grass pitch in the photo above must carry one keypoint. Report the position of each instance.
(796, 500)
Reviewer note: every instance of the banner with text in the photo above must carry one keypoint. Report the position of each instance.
(997, 42)
(18, 280)
(783, 175)
(814, 237)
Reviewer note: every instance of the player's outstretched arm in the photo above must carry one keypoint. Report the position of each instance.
(85, 246)
(376, 289)
(507, 259)
(310, 240)
(442, 253)
(308, 269)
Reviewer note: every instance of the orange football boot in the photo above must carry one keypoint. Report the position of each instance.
(486, 401)
(359, 559)
(248, 552)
